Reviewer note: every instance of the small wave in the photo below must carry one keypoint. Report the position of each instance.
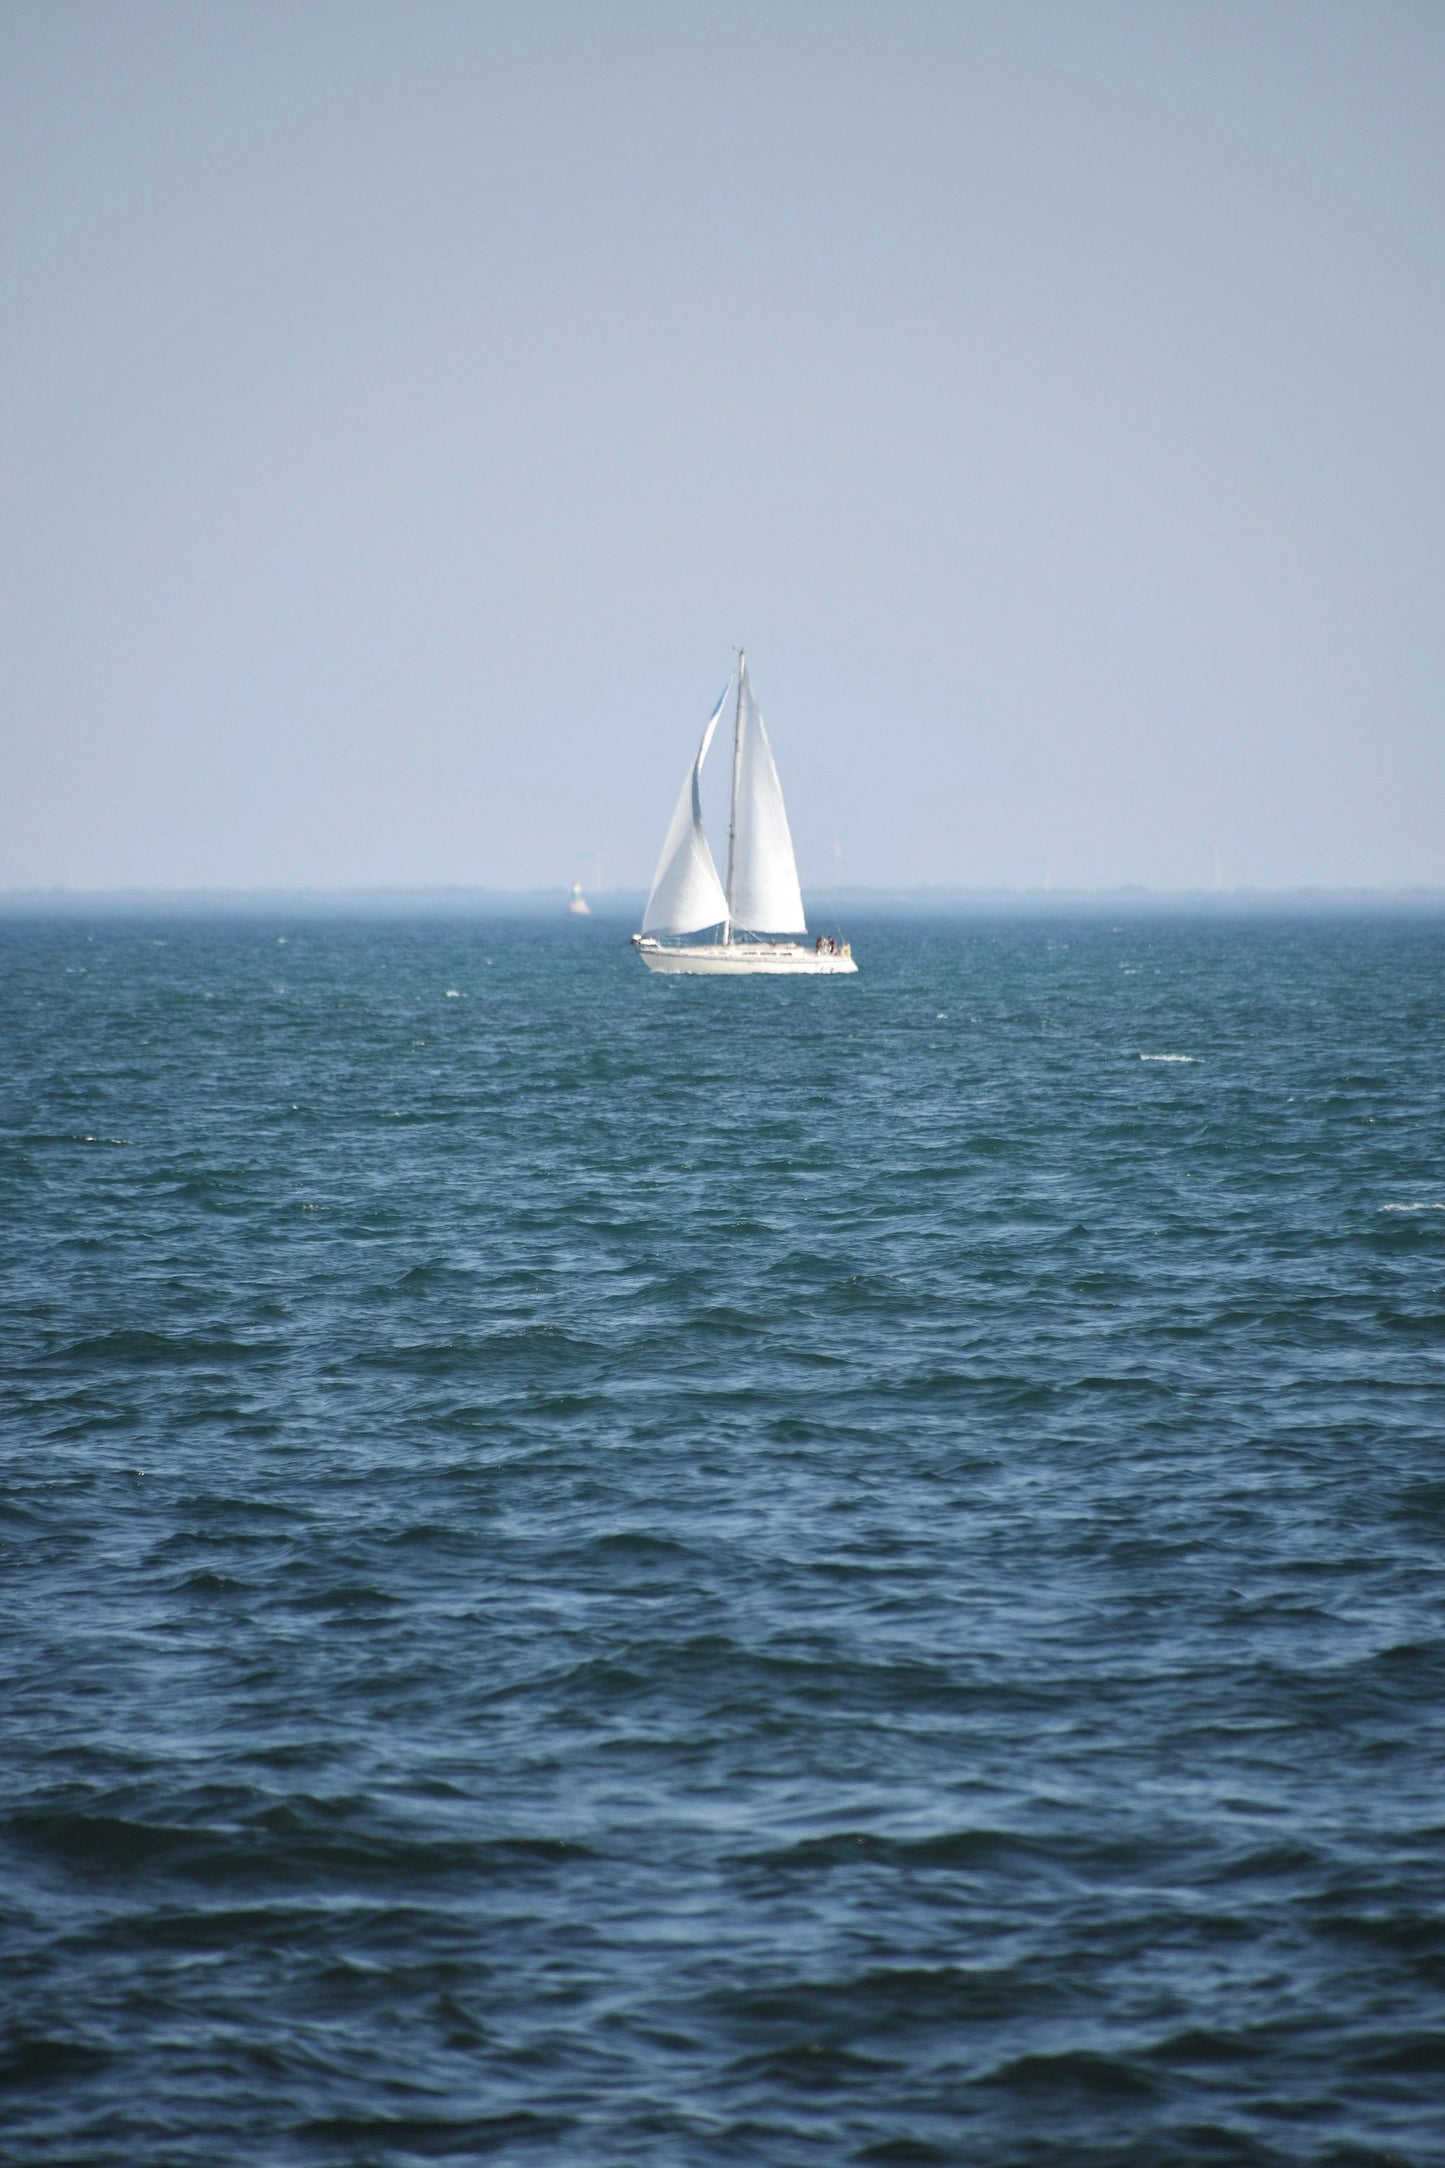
(31, 2058)
(892, 1998)
(206, 1583)
(1412, 1208)
(139, 1347)
(440, 2134)
(1417, 2052)
(819, 2064)
(1166, 1057)
(637, 1543)
(1203, 2045)
(1080, 2070)
(348, 1596)
(964, 1848)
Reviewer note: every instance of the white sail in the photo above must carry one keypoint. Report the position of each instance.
(686, 892)
(763, 891)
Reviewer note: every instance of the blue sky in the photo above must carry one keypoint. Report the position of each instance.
(407, 410)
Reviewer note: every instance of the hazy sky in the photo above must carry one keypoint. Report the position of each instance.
(407, 409)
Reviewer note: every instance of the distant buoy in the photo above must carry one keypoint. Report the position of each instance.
(579, 906)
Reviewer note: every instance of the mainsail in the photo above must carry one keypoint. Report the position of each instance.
(763, 891)
(686, 892)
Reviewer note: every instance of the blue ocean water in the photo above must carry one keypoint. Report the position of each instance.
(601, 1570)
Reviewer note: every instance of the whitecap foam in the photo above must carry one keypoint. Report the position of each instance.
(1412, 1208)
(1166, 1057)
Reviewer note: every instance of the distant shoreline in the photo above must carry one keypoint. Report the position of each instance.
(549, 903)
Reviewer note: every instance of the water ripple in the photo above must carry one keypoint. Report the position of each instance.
(601, 1570)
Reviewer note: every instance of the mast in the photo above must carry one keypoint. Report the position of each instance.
(733, 805)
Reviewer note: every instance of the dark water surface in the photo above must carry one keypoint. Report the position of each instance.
(608, 1571)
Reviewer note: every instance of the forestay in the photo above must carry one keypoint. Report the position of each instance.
(686, 892)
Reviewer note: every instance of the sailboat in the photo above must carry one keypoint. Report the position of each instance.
(761, 906)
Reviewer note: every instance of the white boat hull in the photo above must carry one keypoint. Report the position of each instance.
(739, 959)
